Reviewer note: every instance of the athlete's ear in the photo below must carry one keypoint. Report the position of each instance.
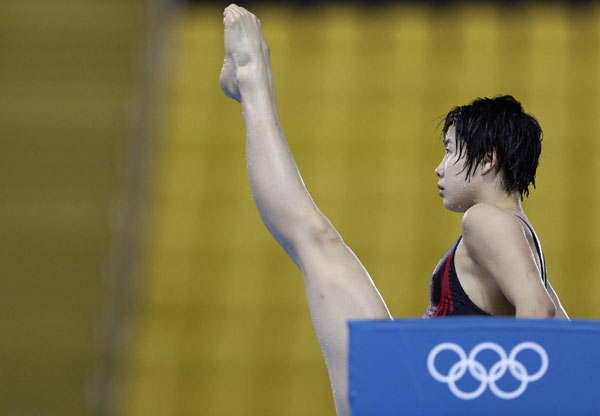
(489, 163)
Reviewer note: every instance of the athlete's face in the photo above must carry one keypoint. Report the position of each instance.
(457, 191)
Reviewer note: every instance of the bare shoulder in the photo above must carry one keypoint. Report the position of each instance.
(487, 216)
(486, 225)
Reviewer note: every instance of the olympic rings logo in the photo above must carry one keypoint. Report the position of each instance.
(481, 374)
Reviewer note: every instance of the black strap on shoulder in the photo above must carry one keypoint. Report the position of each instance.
(539, 252)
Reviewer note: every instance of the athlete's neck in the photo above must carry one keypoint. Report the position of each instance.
(510, 202)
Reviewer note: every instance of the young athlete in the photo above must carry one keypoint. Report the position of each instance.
(497, 266)
(492, 149)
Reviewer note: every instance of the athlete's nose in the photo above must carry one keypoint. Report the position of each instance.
(439, 171)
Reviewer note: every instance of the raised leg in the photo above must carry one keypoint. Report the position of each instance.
(338, 287)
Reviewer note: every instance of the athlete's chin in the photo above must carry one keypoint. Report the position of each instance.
(453, 206)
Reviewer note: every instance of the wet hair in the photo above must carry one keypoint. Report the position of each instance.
(498, 124)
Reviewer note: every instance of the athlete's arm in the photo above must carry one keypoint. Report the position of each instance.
(338, 287)
(496, 241)
(560, 310)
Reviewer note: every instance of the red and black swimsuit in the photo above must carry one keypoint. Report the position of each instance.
(446, 294)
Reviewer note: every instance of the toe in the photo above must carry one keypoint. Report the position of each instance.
(228, 19)
(231, 14)
(228, 9)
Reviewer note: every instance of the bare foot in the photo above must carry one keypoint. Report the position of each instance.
(246, 51)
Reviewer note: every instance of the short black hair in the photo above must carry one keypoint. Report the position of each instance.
(499, 124)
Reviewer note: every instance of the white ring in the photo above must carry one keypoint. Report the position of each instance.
(537, 348)
(441, 347)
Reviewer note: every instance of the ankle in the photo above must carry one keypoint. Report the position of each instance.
(250, 78)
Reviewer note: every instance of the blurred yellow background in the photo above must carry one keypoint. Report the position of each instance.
(222, 326)
(143, 282)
